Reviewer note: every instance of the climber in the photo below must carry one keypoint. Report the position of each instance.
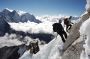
(33, 46)
(57, 27)
(60, 21)
(68, 23)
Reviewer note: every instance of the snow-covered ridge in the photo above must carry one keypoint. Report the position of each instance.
(21, 12)
(9, 9)
(48, 51)
(85, 30)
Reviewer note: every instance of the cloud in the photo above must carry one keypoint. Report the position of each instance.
(31, 27)
(49, 18)
(14, 40)
(44, 27)
(9, 40)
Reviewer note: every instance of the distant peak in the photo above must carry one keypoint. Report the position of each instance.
(21, 12)
(18, 11)
(8, 9)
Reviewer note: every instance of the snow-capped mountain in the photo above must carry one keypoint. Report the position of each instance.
(18, 16)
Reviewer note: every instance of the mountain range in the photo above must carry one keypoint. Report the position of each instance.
(17, 16)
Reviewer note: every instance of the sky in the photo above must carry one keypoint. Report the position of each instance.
(46, 7)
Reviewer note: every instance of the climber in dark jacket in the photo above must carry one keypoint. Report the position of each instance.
(57, 27)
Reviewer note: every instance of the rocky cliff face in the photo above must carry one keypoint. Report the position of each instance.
(4, 26)
(12, 52)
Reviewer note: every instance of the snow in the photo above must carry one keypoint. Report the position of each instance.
(49, 51)
(9, 9)
(18, 11)
(85, 29)
(83, 55)
(21, 12)
(88, 5)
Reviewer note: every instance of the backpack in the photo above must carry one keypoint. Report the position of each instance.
(57, 27)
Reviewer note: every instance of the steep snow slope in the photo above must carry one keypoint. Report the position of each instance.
(49, 51)
(85, 30)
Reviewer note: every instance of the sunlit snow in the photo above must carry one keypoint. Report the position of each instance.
(49, 51)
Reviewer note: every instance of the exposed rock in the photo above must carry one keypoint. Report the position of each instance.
(74, 51)
(12, 52)
(4, 26)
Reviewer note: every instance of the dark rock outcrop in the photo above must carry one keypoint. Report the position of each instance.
(12, 52)
(4, 26)
(42, 36)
